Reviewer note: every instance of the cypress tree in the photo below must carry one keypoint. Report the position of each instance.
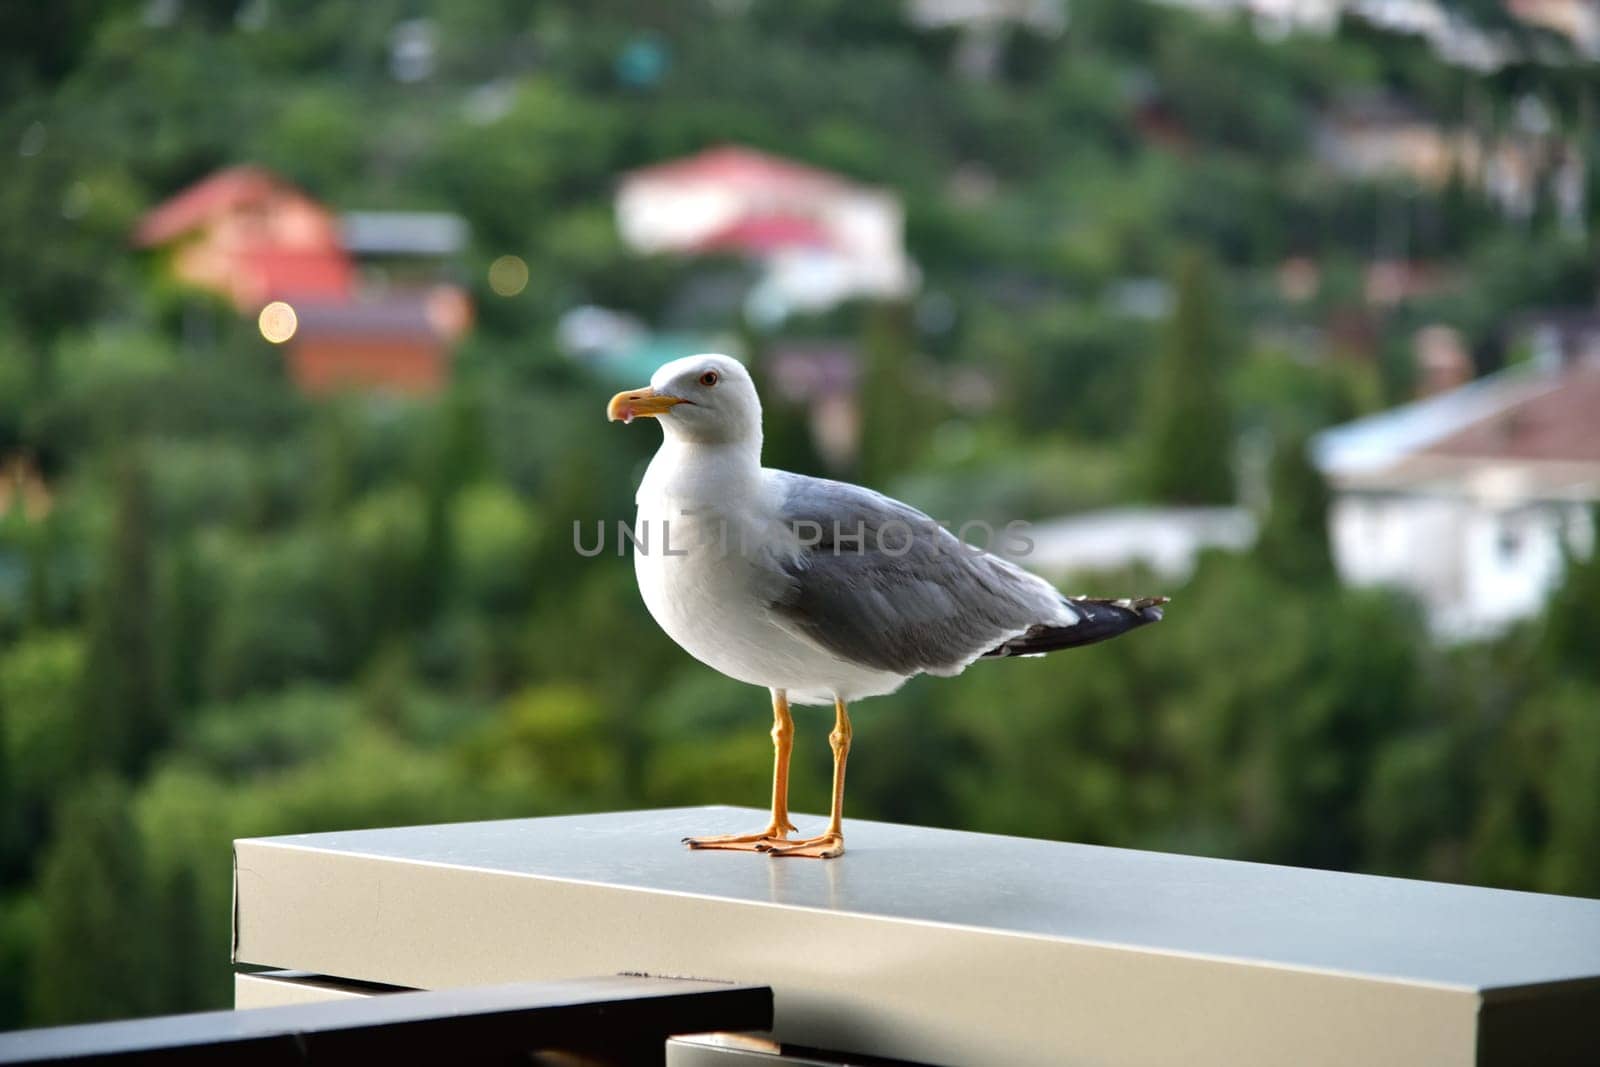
(92, 959)
(40, 595)
(1188, 432)
(1294, 536)
(123, 716)
(186, 632)
(457, 456)
(334, 486)
(333, 483)
(892, 426)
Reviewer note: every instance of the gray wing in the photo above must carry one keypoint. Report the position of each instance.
(886, 587)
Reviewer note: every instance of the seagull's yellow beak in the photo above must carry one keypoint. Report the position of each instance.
(636, 402)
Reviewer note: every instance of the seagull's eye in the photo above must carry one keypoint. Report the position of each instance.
(710, 378)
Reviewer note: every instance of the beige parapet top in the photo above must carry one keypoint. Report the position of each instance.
(946, 947)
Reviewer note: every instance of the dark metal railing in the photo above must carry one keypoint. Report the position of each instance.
(621, 1019)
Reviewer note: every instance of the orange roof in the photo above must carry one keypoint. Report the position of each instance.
(288, 273)
(203, 201)
(734, 164)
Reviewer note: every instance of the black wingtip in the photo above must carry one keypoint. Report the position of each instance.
(1153, 608)
(1099, 620)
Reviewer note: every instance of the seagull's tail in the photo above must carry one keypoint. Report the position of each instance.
(1098, 620)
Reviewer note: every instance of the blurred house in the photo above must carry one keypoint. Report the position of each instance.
(1563, 337)
(1576, 20)
(1450, 29)
(1388, 282)
(249, 236)
(357, 302)
(593, 332)
(399, 344)
(817, 238)
(23, 488)
(1443, 362)
(1471, 498)
(635, 361)
(391, 246)
(1043, 16)
(984, 25)
(1167, 541)
(620, 348)
(822, 377)
(1372, 138)
(1275, 17)
(1449, 32)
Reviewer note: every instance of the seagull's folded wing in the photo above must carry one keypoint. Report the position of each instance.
(882, 585)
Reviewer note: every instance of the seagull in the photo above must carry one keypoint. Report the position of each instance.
(817, 590)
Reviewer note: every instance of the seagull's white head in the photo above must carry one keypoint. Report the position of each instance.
(706, 399)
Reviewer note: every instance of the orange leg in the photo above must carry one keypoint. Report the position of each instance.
(829, 843)
(778, 827)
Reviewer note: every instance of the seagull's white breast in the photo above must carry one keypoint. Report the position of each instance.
(707, 564)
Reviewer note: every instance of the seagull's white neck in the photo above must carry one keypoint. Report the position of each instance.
(696, 474)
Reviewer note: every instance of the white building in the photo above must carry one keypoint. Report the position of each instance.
(1167, 541)
(818, 237)
(1470, 499)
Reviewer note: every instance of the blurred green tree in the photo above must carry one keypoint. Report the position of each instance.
(185, 637)
(40, 597)
(895, 405)
(1540, 807)
(1186, 436)
(124, 716)
(1293, 542)
(94, 957)
(1570, 637)
(40, 679)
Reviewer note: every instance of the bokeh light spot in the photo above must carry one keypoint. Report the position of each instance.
(508, 275)
(278, 322)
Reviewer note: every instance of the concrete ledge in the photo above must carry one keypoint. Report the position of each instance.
(947, 947)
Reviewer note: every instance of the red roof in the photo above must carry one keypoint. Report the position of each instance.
(737, 165)
(261, 261)
(766, 233)
(203, 201)
(1558, 424)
